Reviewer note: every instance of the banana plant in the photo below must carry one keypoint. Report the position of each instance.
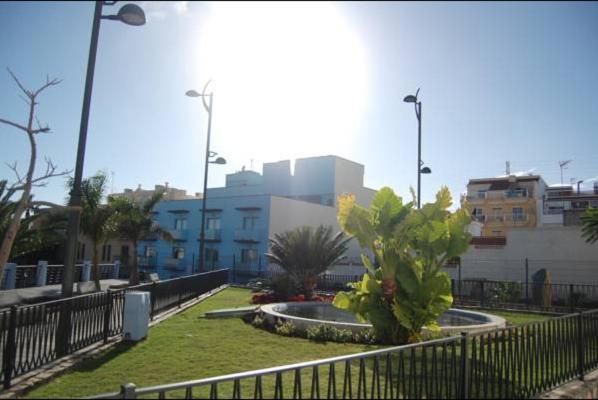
(404, 288)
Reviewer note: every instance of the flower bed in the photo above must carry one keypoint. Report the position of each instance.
(268, 297)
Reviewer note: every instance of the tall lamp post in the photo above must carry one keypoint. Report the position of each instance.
(425, 170)
(209, 154)
(130, 14)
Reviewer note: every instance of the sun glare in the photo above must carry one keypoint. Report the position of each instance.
(289, 79)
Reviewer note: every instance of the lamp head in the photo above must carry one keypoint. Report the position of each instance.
(410, 99)
(426, 170)
(219, 160)
(131, 14)
(192, 93)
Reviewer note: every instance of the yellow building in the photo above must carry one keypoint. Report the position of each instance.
(505, 203)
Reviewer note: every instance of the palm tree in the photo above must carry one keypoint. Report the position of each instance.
(590, 225)
(133, 221)
(305, 252)
(95, 217)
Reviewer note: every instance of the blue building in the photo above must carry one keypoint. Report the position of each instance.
(250, 208)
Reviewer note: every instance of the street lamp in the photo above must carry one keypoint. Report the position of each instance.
(425, 170)
(209, 154)
(129, 14)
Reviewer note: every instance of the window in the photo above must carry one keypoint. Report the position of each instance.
(518, 214)
(482, 194)
(213, 223)
(180, 224)
(250, 222)
(477, 211)
(150, 251)
(497, 233)
(248, 255)
(178, 253)
(106, 252)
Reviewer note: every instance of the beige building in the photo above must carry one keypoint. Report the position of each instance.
(142, 195)
(505, 203)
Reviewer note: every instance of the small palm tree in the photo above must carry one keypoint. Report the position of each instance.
(589, 220)
(133, 221)
(95, 217)
(305, 252)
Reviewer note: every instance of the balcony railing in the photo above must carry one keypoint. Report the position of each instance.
(247, 235)
(179, 234)
(212, 234)
(498, 195)
(502, 218)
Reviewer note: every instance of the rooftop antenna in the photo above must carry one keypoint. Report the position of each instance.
(508, 168)
(251, 168)
(563, 164)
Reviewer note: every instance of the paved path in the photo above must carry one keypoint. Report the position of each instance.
(29, 295)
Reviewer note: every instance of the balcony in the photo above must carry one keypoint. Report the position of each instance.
(212, 235)
(498, 195)
(179, 235)
(247, 236)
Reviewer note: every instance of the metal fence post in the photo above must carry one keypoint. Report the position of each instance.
(153, 300)
(571, 299)
(464, 381)
(128, 391)
(11, 347)
(10, 276)
(580, 346)
(107, 314)
(481, 293)
(526, 280)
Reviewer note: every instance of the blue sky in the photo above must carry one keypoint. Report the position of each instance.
(499, 81)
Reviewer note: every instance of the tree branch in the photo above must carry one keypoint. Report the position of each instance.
(28, 93)
(7, 122)
(13, 167)
(54, 206)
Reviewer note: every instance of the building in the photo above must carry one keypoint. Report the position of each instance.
(563, 206)
(141, 195)
(527, 226)
(249, 209)
(505, 203)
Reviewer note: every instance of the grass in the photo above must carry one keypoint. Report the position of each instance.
(186, 347)
(516, 318)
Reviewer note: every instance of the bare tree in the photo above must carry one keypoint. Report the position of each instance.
(25, 183)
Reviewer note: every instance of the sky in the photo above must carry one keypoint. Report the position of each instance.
(508, 81)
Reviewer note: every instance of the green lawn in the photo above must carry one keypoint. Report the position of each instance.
(516, 318)
(188, 346)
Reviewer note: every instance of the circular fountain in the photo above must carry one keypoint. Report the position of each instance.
(306, 314)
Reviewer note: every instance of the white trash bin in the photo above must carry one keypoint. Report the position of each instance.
(136, 316)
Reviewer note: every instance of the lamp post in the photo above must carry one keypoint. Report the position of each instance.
(130, 14)
(425, 170)
(209, 154)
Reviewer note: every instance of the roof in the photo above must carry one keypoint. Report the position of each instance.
(505, 179)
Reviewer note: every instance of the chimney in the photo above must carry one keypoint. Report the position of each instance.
(596, 187)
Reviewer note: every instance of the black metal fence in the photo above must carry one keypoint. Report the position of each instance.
(515, 362)
(30, 336)
(557, 297)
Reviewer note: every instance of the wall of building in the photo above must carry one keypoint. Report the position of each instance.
(561, 250)
(287, 214)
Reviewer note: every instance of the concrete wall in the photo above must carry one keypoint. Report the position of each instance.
(287, 214)
(561, 250)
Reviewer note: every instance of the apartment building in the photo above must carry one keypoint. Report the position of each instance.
(505, 203)
(251, 208)
(562, 205)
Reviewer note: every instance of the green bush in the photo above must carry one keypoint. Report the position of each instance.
(284, 286)
(258, 321)
(327, 333)
(507, 292)
(365, 336)
(285, 328)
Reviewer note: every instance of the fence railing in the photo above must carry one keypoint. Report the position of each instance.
(32, 336)
(516, 362)
(561, 297)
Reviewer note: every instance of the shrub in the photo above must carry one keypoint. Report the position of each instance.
(258, 321)
(284, 286)
(325, 333)
(365, 336)
(285, 328)
(263, 298)
(507, 292)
